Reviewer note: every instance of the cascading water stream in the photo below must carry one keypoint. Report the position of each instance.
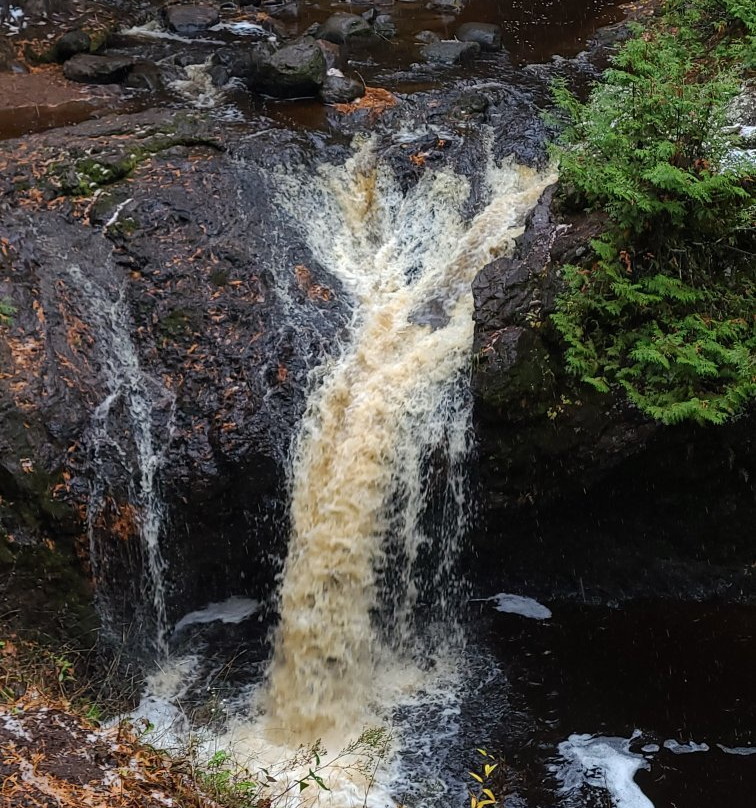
(409, 260)
(375, 414)
(140, 396)
(366, 485)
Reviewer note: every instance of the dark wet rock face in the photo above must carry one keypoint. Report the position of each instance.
(223, 357)
(638, 508)
(90, 69)
(188, 20)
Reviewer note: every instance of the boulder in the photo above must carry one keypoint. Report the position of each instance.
(339, 89)
(89, 69)
(145, 76)
(342, 27)
(242, 63)
(333, 53)
(385, 26)
(70, 44)
(487, 35)
(427, 37)
(295, 71)
(7, 55)
(191, 19)
(449, 51)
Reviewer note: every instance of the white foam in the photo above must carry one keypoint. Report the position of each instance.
(198, 87)
(650, 748)
(520, 604)
(233, 610)
(597, 762)
(242, 28)
(737, 750)
(16, 21)
(677, 748)
(159, 717)
(153, 30)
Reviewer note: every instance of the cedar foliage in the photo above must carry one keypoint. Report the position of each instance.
(665, 308)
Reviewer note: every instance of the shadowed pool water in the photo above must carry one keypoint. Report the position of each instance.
(674, 680)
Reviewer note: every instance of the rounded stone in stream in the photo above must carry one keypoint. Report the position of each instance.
(385, 26)
(70, 44)
(333, 53)
(339, 89)
(190, 19)
(89, 69)
(242, 63)
(295, 71)
(449, 51)
(341, 27)
(487, 35)
(427, 37)
(145, 76)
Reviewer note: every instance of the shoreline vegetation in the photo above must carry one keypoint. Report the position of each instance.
(662, 309)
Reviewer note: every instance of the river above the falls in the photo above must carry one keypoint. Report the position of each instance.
(531, 33)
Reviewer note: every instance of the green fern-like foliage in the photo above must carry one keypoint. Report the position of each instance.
(678, 352)
(665, 308)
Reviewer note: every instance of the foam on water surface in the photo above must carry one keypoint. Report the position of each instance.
(678, 748)
(601, 763)
(521, 605)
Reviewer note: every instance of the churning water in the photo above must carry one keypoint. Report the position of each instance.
(380, 408)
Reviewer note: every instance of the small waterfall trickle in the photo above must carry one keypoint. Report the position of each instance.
(124, 426)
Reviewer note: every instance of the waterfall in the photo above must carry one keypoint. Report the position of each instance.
(375, 413)
(378, 482)
(140, 396)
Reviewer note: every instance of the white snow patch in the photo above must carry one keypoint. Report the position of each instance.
(14, 726)
(598, 762)
(233, 610)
